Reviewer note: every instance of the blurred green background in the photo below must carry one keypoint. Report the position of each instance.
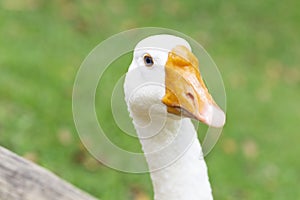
(255, 45)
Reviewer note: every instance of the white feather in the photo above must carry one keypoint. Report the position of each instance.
(170, 144)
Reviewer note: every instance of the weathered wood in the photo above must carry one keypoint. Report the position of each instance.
(24, 180)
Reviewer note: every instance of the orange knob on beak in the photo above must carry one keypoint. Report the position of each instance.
(186, 93)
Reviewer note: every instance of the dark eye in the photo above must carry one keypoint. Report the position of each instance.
(148, 60)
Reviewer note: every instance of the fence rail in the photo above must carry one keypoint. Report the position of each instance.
(23, 180)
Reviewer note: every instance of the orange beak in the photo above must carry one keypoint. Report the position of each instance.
(186, 94)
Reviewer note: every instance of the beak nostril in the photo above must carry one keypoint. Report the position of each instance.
(190, 95)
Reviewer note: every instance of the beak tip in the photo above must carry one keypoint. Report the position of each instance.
(213, 116)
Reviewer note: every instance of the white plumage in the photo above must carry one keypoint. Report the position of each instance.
(169, 141)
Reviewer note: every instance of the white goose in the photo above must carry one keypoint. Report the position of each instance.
(163, 83)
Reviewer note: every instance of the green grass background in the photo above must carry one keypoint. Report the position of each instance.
(254, 43)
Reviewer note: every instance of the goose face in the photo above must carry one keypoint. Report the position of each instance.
(164, 79)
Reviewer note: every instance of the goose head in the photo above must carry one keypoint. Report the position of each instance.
(163, 80)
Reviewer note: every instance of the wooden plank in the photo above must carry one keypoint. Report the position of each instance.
(23, 180)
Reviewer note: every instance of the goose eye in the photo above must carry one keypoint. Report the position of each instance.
(148, 60)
